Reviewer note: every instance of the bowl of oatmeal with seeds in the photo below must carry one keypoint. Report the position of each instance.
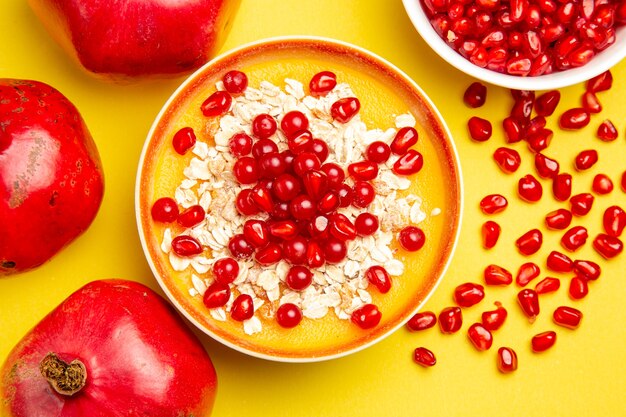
(298, 199)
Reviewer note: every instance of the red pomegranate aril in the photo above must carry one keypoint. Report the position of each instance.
(314, 255)
(379, 278)
(480, 336)
(288, 315)
(378, 152)
(475, 95)
(305, 162)
(578, 288)
(286, 187)
(184, 140)
(543, 341)
(547, 285)
(591, 103)
(493, 203)
(588, 269)
(508, 160)
(529, 189)
(295, 250)
(263, 126)
(346, 195)
(244, 203)
(559, 262)
(271, 165)
(341, 227)
(240, 144)
(217, 104)
(285, 229)
(535, 125)
(506, 360)
(530, 242)
(496, 275)
(403, 140)
(335, 250)
(424, 357)
(256, 233)
(567, 317)
(328, 203)
(186, 246)
(225, 270)
(494, 319)
(607, 246)
(298, 278)
(319, 227)
(191, 216)
(526, 273)
(601, 82)
(235, 82)
(480, 129)
(299, 142)
(246, 170)
(513, 129)
(243, 308)
(422, 321)
(322, 83)
(264, 146)
(529, 302)
(469, 294)
(607, 131)
(602, 184)
(302, 207)
(363, 170)
(546, 167)
(518, 66)
(540, 140)
(269, 254)
(614, 221)
(623, 181)
(362, 194)
(574, 238)
(573, 119)
(366, 224)
(320, 149)
(491, 234)
(562, 187)
(581, 204)
(367, 316)
(315, 184)
(164, 210)
(410, 163)
(293, 122)
(344, 109)
(559, 219)
(586, 159)
(411, 238)
(546, 103)
(450, 320)
(217, 295)
(262, 198)
(239, 247)
(334, 174)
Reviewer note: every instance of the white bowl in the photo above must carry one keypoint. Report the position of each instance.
(600, 63)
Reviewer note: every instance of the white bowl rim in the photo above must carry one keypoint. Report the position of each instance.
(599, 64)
(198, 73)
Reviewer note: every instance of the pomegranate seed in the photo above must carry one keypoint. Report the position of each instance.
(295, 250)
(262, 198)
(244, 203)
(184, 140)
(288, 315)
(540, 140)
(367, 316)
(320, 149)
(217, 295)
(572, 119)
(410, 163)
(235, 82)
(546, 103)
(607, 246)
(591, 103)
(164, 210)
(559, 262)
(286, 187)
(344, 109)
(529, 189)
(607, 131)
(475, 95)
(298, 278)
(543, 341)
(239, 247)
(314, 255)
(494, 319)
(529, 302)
(225, 270)
(623, 182)
(450, 320)
(404, 139)
(614, 221)
(546, 167)
(513, 130)
(567, 317)
(363, 170)
(302, 207)
(493, 203)
(341, 227)
(480, 336)
(366, 224)
(574, 238)
(496, 275)
(256, 233)
(559, 219)
(424, 357)
(581, 204)
(547, 285)
(379, 277)
(264, 126)
(293, 122)
(578, 288)
(243, 308)
(334, 174)
(588, 269)
(265, 146)
(480, 129)
(315, 184)
(378, 152)
(217, 104)
(347, 195)
(518, 66)
(186, 246)
(469, 294)
(602, 184)
(328, 203)
(322, 83)
(530, 242)
(586, 159)
(191, 216)
(305, 162)
(601, 82)
(411, 238)
(334, 250)
(301, 141)
(240, 144)
(285, 229)
(508, 160)
(562, 187)
(422, 321)
(246, 170)
(506, 360)
(526, 273)
(491, 233)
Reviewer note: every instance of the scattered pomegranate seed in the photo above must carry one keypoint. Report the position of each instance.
(494, 319)
(450, 320)
(573, 119)
(379, 277)
(404, 139)
(244, 203)
(588, 269)
(493, 203)
(530, 242)
(508, 160)
(529, 189)
(243, 308)
(602, 184)
(235, 82)
(562, 187)
(378, 152)
(240, 144)
(264, 126)
(475, 95)
(424, 357)
(469, 294)
(581, 204)
(480, 336)
(529, 302)
(559, 219)
(225, 270)
(412, 238)
(578, 288)
(591, 103)
(322, 83)
(164, 210)
(496, 275)
(239, 247)
(288, 315)
(262, 198)
(334, 250)
(363, 170)
(344, 109)
(480, 129)
(559, 262)
(513, 130)
(574, 238)
(184, 140)
(586, 159)
(607, 131)
(410, 163)
(186, 246)
(191, 216)
(300, 141)
(298, 278)
(546, 167)
(601, 82)
(546, 103)
(567, 317)
(543, 341)
(320, 149)
(547, 285)
(269, 254)
(367, 316)
(217, 295)
(526, 273)
(506, 360)
(614, 221)
(245, 170)
(608, 246)
(540, 140)
(363, 194)
(294, 122)
(366, 224)
(422, 321)
(218, 104)
(491, 233)
(264, 146)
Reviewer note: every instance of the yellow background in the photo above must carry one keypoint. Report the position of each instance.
(583, 375)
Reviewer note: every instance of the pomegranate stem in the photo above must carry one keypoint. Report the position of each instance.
(65, 378)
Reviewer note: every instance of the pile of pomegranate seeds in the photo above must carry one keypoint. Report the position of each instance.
(294, 211)
(522, 125)
(526, 37)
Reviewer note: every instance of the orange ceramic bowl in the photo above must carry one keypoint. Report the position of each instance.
(384, 92)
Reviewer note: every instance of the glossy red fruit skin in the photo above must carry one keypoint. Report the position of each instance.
(573, 119)
(493, 203)
(530, 242)
(378, 152)
(543, 341)
(404, 139)
(578, 288)
(363, 170)
(513, 129)
(590, 102)
(264, 126)
(580, 204)
(526, 273)
(529, 189)
(608, 246)
(547, 285)
(494, 319)
(588, 269)
(243, 308)
(379, 278)
(614, 221)
(240, 144)
(164, 210)
(298, 278)
(225, 270)
(366, 224)
(559, 262)
(410, 163)
(529, 303)
(424, 357)
(422, 321)
(217, 104)
(506, 360)
(366, 317)
(508, 160)
(469, 294)
(574, 238)
(412, 238)
(51, 178)
(480, 129)
(490, 233)
(546, 103)
(586, 159)
(496, 275)
(344, 109)
(450, 320)
(602, 184)
(186, 246)
(562, 187)
(239, 247)
(191, 216)
(559, 219)
(322, 83)
(235, 82)
(217, 295)
(133, 333)
(546, 167)
(293, 122)
(288, 315)
(480, 337)
(184, 140)
(475, 95)
(607, 131)
(567, 317)
(601, 82)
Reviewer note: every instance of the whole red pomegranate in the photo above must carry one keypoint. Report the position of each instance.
(51, 181)
(114, 348)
